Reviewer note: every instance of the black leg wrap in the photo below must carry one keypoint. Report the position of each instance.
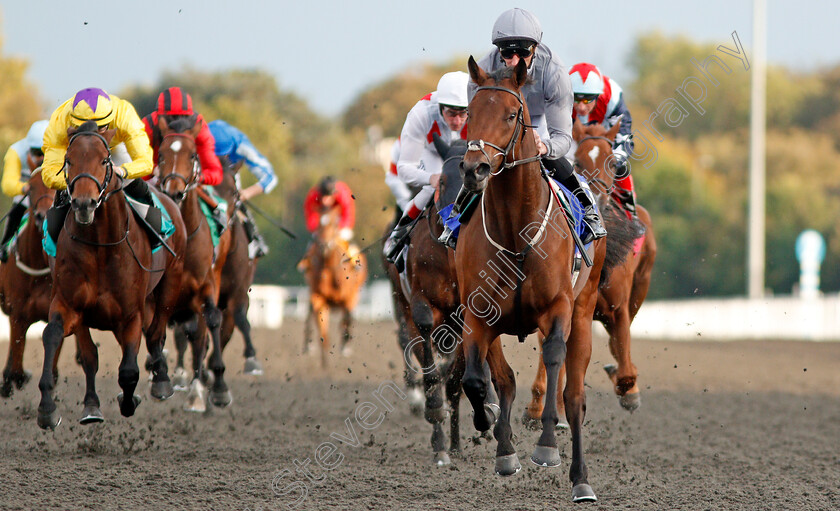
(57, 213)
(13, 221)
(560, 169)
(139, 190)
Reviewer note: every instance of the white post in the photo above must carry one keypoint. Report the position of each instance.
(755, 262)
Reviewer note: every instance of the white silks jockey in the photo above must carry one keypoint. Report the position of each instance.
(443, 112)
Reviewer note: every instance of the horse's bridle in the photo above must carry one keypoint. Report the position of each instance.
(478, 145)
(189, 184)
(109, 169)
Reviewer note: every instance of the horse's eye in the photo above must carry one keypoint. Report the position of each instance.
(105, 161)
(511, 117)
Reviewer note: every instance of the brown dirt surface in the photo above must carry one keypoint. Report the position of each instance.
(737, 425)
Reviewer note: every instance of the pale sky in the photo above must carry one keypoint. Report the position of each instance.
(330, 51)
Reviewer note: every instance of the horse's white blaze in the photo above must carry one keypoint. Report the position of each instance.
(593, 154)
(176, 146)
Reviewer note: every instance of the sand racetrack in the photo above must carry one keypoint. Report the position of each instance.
(740, 425)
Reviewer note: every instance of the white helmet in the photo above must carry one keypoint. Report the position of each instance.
(35, 136)
(586, 79)
(452, 89)
(517, 25)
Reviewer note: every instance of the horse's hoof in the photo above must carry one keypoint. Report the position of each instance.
(583, 493)
(630, 402)
(6, 389)
(180, 379)
(221, 399)
(507, 465)
(27, 375)
(196, 398)
(530, 422)
(208, 378)
(442, 459)
(48, 420)
(493, 412)
(416, 401)
(149, 365)
(562, 424)
(91, 415)
(545, 456)
(162, 390)
(128, 409)
(435, 415)
(253, 367)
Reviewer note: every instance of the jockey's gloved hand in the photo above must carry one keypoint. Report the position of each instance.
(346, 234)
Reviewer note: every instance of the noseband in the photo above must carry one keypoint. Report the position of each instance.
(109, 168)
(479, 145)
(193, 181)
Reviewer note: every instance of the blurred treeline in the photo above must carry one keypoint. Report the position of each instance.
(696, 190)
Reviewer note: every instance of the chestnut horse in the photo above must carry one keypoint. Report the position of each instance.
(106, 276)
(197, 311)
(334, 280)
(25, 284)
(237, 273)
(518, 240)
(427, 297)
(623, 289)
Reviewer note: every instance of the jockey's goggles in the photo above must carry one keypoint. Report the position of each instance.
(508, 53)
(452, 111)
(585, 98)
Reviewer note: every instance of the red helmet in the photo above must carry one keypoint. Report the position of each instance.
(174, 101)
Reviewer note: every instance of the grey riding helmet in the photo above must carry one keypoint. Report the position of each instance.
(516, 29)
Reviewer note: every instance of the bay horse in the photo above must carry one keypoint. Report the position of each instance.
(517, 240)
(179, 174)
(237, 273)
(335, 280)
(25, 284)
(427, 296)
(623, 288)
(106, 276)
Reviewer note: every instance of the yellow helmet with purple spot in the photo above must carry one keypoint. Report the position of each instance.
(92, 104)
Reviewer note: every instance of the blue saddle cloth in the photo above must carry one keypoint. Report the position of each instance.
(572, 206)
(166, 229)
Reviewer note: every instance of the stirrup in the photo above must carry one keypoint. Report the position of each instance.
(446, 238)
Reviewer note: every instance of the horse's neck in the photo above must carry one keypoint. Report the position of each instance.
(513, 200)
(191, 211)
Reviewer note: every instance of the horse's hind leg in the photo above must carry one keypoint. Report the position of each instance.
(180, 377)
(453, 395)
(531, 417)
(546, 453)
(129, 371)
(14, 374)
(577, 360)
(155, 338)
(321, 313)
(219, 394)
(507, 463)
(90, 363)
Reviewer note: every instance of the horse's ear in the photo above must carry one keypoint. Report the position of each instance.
(72, 131)
(476, 73)
(196, 127)
(577, 130)
(520, 73)
(163, 124)
(614, 130)
(441, 146)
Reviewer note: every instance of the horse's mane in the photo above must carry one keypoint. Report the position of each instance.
(88, 126)
(504, 73)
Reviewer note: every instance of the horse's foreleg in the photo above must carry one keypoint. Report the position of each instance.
(14, 374)
(90, 363)
(475, 352)
(624, 376)
(307, 330)
(346, 325)
(507, 463)
(546, 453)
(453, 395)
(60, 324)
(180, 377)
(129, 371)
(322, 320)
(155, 339)
(240, 319)
(579, 348)
(219, 394)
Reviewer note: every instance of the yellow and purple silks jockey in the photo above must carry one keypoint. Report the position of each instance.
(106, 110)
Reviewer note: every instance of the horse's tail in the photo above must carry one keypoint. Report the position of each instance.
(622, 232)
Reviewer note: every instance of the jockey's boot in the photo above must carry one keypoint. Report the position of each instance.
(256, 244)
(139, 190)
(594, 226)
(57, 213)
(397, 240)
(12, 224)
(464, 204)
